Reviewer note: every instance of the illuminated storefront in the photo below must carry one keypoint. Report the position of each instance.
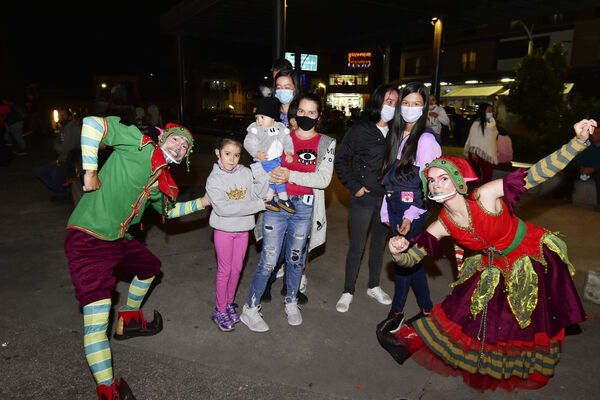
(346, 101)
(349, 88)
(348, 79)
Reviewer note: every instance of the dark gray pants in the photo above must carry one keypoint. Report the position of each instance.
(362, 211)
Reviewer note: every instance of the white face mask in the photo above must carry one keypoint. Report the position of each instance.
(489, 115)
(411, 114)
(387, 113)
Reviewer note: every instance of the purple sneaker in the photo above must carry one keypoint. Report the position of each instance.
(233, 316)
(221, 318)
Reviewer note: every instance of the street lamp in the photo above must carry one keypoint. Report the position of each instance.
(437, 54)
(530, 46)
(324, 87)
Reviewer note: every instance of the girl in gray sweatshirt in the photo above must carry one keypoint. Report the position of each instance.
(236, 194)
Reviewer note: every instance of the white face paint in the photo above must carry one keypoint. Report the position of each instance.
(175, 148)
(440, 185)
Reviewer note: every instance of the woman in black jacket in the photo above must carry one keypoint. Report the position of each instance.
(358, 164)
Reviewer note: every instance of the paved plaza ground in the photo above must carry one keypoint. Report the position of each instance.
(330, 356)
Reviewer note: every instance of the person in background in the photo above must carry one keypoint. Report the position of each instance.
(279, 64)
(98, 241)
(14, 122)
(286, 90)
(154, 115)
(481, 147)
(437, 116)
(505, 149)
(236, 194)
(410, 147)
(6, 156)
(67, 147)
(358, 164)
(505, 321)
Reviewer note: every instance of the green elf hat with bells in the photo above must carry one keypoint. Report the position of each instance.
(172, 128)
(459, 170)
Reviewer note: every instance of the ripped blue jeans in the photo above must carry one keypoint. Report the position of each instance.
(275, 226)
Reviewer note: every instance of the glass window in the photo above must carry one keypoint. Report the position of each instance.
(468, 61)
(350, 79)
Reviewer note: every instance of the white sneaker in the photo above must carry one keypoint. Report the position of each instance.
(280, 272)
(343, 303)
(252, 318)
(378, 294)
(293, 313)
(303, 282)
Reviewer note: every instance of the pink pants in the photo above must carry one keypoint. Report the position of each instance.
(231, 250)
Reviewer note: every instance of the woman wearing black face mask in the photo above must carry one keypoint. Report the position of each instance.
(410, 147)
(306, 176)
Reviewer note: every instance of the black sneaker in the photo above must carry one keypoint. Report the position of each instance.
(272, 206)
(287, 206)
(394, 321)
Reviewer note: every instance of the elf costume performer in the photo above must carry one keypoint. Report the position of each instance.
(97, 240)
(504, 322)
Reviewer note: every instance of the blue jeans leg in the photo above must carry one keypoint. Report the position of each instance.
(295, 245)
(274, 227)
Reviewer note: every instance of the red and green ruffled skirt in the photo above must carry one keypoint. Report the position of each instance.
(511, 357)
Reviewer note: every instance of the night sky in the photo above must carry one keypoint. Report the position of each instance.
(65, 47)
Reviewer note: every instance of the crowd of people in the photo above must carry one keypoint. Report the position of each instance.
(493, 329)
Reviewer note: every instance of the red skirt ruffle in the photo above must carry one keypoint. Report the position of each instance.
(439, 344)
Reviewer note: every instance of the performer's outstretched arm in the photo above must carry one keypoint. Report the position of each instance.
(549, 166)
(187, 207)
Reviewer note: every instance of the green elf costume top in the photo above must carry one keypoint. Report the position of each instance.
(135, 175)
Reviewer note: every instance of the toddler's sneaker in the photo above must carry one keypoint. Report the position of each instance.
(233, 315)
(272, 205)
(287, 206)
(222, 320)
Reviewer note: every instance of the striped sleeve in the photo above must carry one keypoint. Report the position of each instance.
(185, 208)
(549, 166)
(92, 131)
(410, 257)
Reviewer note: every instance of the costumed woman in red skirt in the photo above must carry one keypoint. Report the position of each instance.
(504, 322)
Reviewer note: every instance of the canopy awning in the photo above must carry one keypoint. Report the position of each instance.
(568, 87)
(474, 91)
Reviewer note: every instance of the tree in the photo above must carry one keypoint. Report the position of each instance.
(536, 95)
